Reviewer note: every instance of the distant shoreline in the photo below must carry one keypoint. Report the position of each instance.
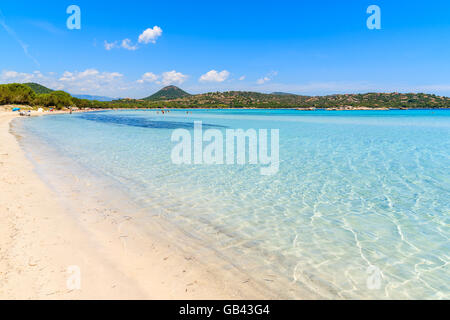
(35, 95)
(8, 108)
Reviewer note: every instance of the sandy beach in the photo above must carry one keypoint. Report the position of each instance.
(43, 248)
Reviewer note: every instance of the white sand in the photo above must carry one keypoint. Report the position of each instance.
(39, 241)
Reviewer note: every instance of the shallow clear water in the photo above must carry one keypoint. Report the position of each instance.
(358, 209)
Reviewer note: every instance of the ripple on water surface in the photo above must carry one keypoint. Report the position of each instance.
(358, 209)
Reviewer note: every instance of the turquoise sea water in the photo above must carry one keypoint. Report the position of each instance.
(358, 209)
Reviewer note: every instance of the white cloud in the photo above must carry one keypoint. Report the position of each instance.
(126, 44)
(148, 77)
(267, 77)
(150, 35)
(147, 36)
(242, 78)
(110, 45)
(14, 76)
(263, 80)
(214, 76)
(90, 75)
(90, 80)
(10, 76)
(166, 78)
(173, 77)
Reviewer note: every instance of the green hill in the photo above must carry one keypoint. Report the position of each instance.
(37, 88)
(168, 93)
(173, 97)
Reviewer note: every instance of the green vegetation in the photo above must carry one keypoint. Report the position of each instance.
(37, 88)
(168, 93)
(173, 97)
(57, 99)
(15, 93)
(243, 99)
(25, 94)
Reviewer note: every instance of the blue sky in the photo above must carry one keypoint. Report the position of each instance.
(305, 47)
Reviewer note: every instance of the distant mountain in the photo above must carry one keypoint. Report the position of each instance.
(37, 88)
(89, 97)
(282, 94)
(168, 93)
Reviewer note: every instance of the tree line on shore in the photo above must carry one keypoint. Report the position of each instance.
(39, 96)
(16, 93)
